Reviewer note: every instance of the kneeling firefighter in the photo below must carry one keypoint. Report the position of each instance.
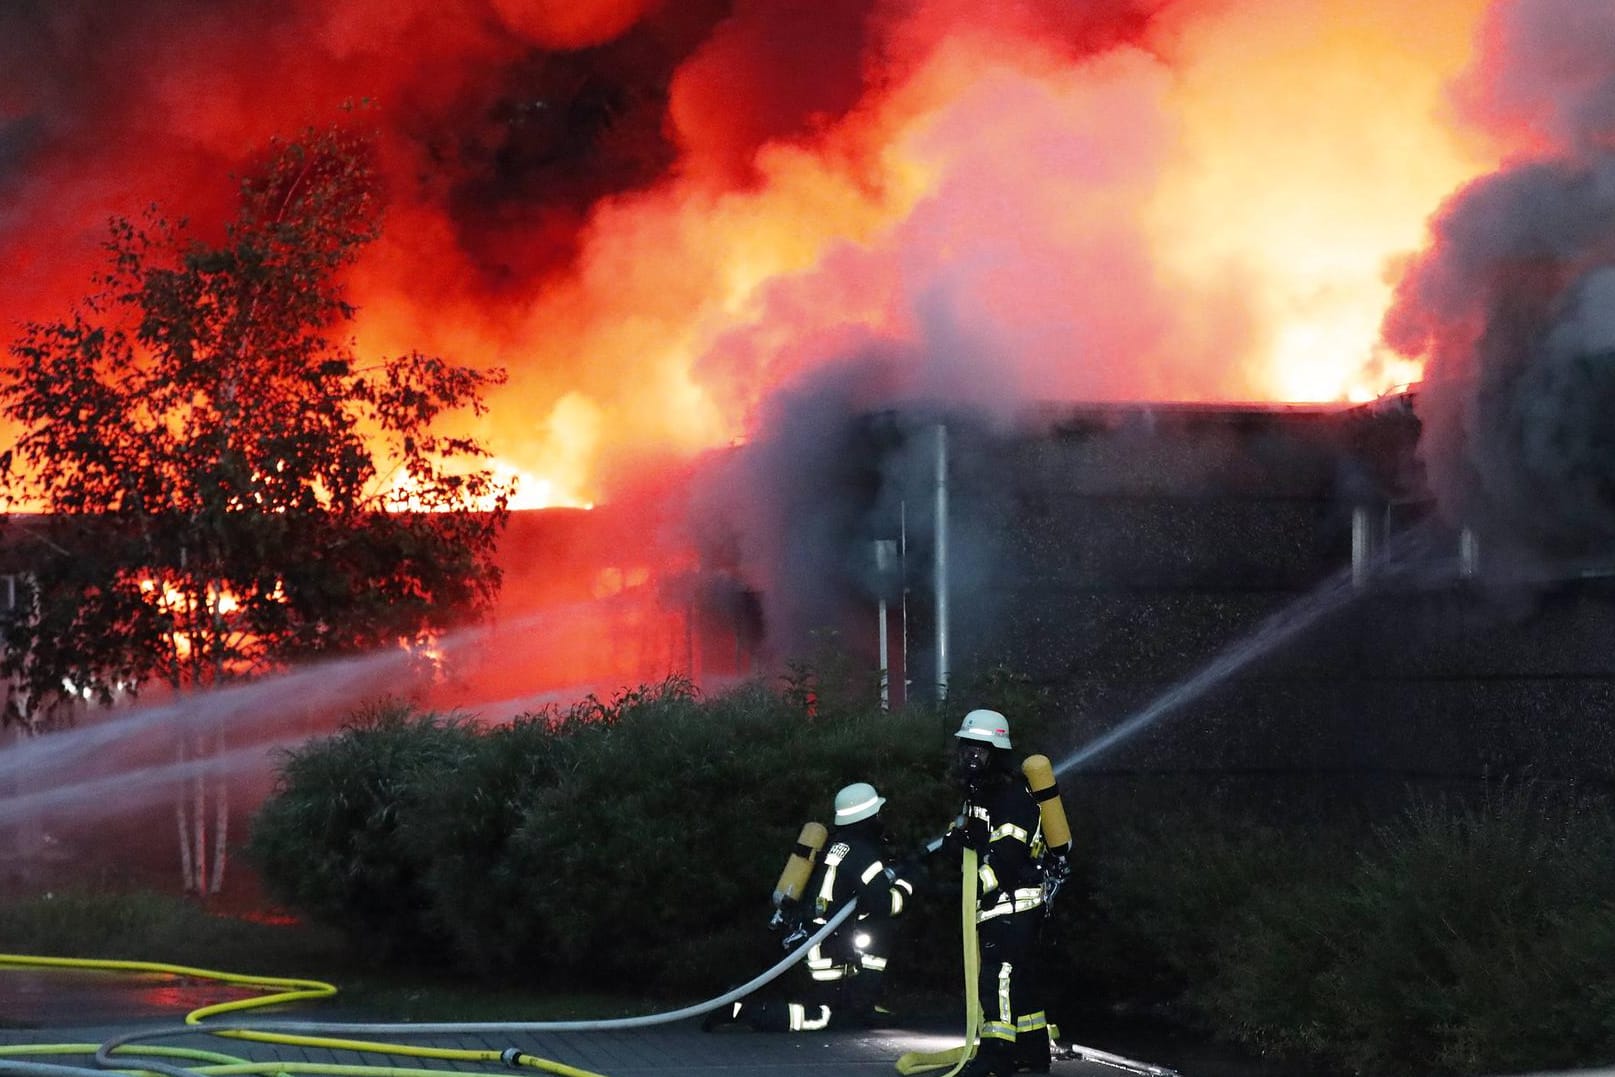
(1013, 820)
(847, 969)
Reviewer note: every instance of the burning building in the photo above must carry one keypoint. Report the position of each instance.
(710, 240)
(1236, 588)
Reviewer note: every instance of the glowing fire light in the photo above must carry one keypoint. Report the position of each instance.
(1198, 203)
(1313, 149)
(1011, 204)
(526, 492)
(534, 492)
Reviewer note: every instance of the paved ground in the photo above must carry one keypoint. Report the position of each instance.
(680, 1049)
(55, 1006)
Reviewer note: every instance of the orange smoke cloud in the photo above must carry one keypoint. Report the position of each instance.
(653, 214)
(663, 219)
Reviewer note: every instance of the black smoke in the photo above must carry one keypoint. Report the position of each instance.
(1512, 306)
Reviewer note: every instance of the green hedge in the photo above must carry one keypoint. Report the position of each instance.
(1467, 935)
(636, 840)
(333, 840)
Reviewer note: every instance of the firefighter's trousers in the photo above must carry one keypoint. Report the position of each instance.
(1013, 1018)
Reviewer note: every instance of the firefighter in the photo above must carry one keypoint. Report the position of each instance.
(846, 971)
(1002, 821)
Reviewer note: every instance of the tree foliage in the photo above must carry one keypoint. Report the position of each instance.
(218, 477)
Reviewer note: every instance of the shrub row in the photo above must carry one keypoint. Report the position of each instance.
(630, 840)
(635, 841)
(1467, 935)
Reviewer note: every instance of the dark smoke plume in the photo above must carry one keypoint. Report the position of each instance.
(1513, 304)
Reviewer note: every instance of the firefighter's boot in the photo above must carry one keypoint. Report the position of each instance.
(861, 999)
(994, 1058)
(729, 1016)
(1032, 1052)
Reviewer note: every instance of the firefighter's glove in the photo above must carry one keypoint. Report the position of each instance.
(787, 916)
(1056, 870)
(972, 834)
(798, 934)
(966, 833)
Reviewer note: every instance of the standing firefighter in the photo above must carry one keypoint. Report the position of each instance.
(847, 969)
(1003, 821)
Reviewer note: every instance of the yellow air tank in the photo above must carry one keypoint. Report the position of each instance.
(1040, 779)
(793, 880)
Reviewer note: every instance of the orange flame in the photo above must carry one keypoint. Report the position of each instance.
(1211, 215)
(1193, 200)
(1200, 203)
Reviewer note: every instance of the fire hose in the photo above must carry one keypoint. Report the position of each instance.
(320, 1034)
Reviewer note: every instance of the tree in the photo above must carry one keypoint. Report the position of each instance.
(224, 487)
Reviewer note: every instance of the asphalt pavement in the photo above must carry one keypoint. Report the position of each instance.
(81, 1012)
(91, 1007)
(678, 1049)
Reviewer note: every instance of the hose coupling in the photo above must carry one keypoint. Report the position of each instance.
(510, 1056)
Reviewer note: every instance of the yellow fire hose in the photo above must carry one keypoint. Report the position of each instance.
(302, 1034)
(284, 990)
(953, 1059)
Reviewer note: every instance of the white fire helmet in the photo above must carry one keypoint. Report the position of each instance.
(857, 802)
(989, 727)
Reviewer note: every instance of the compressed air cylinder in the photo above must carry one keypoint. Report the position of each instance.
(1040, 779)
(793, 880)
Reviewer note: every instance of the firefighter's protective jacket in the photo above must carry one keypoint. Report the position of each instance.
(1010, 862)
(854, 866)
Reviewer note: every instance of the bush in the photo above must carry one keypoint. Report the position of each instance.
(653, 857)
(1170, 883)
(636, 838)
(1459, 938)
(1469, 938)
(330, 840)
(463, 827)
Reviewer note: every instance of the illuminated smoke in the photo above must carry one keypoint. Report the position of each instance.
(678, 223)
(653, 214)
(1513, 304)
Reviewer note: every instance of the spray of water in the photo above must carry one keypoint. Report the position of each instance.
(120, 761)
(260, 718)
(1335, 593)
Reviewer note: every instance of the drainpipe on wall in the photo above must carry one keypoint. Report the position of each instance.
(1468, 553)
(902, 568)
(941, 562)
(1362, 544)
(885, 562)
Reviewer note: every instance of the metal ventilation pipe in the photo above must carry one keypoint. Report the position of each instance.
(941, 562)
(902, 564)
(886, 565)
(1468, 553)
(1362, 544)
